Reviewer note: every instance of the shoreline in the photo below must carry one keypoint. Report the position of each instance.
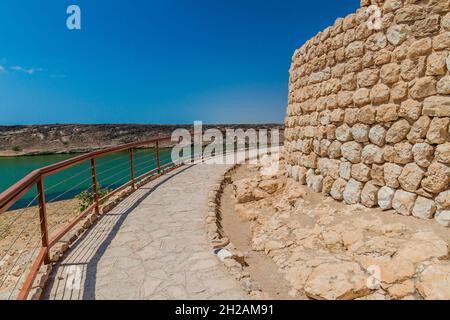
(16, 141)
(4, 154)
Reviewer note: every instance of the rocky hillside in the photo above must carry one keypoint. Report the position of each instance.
(71, 138)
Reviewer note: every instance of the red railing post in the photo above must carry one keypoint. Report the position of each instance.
(158, 164)
(43, 219)
(94, 185)
(133, 184)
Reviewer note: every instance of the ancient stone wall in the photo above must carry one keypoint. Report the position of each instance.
(368, 119)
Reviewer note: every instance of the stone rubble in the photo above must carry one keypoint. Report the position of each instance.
(327, 250)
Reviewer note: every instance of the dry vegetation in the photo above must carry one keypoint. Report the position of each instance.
(20, 238)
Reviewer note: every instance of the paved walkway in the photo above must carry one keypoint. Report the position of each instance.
(152, 246)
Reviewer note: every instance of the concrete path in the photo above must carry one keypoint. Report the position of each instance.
(152, 246)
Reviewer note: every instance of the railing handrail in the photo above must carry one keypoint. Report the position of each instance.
(14, 192)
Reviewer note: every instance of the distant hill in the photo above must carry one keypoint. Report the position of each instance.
(73, 138)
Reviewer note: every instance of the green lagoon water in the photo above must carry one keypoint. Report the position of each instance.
(112, 171)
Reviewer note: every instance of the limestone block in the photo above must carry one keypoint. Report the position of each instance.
(372, 154)
(443, 200)
(424, 208)
(369, 195)
(410, 110)
(288, 170)
(380, 93)
(399, 91)
(344, 98)
(392, 5)
(302, 175)
(410, 69)
(398, 131)
(419, 129)
(411, 177)
(367, 114)
(423, 87)
(337, 115)
(294, 172)
(354, 49)
(360, 172)
(423, 154)
(387, 112)
(368, 78)
(441, 41)
(443, 85)
(446, 22)
(419, 48)
(327, 184)
(385, 197)
(351, 116)
(377, 135)
(337, 189)
(348, 82)
(352, 151)
(443, 217)
(443, 153)
(334, 150)
(376, 41)
(438, 131)
(328, 167)
(438, 106)
(391, 173)
(361, 97)
(377, 175)
(448, 62)
(344, 133)
(427, 26)
(345, 170)
(353, 65)
(352, 192)
(360, 132)
(410, 13)
(383, 56)
(436, 64)
(349, 22)
(436, 178)
(397, 34)
(403, 202)
(390, 73)
(314, 182)
(400, 153)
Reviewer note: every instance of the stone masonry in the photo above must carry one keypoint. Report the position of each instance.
(368, 119)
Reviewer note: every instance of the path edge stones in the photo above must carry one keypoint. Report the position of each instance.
(225, 251)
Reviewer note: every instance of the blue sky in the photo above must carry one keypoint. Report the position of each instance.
(144, 61)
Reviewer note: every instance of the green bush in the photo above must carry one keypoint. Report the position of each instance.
(86, 198)
(17, 148)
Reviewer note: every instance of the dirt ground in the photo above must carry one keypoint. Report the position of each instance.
(20, 239)
(300, 244)
(261, 267)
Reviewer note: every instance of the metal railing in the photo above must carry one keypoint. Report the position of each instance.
(36, 178)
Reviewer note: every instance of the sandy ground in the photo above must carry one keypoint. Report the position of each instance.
(20, 239)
